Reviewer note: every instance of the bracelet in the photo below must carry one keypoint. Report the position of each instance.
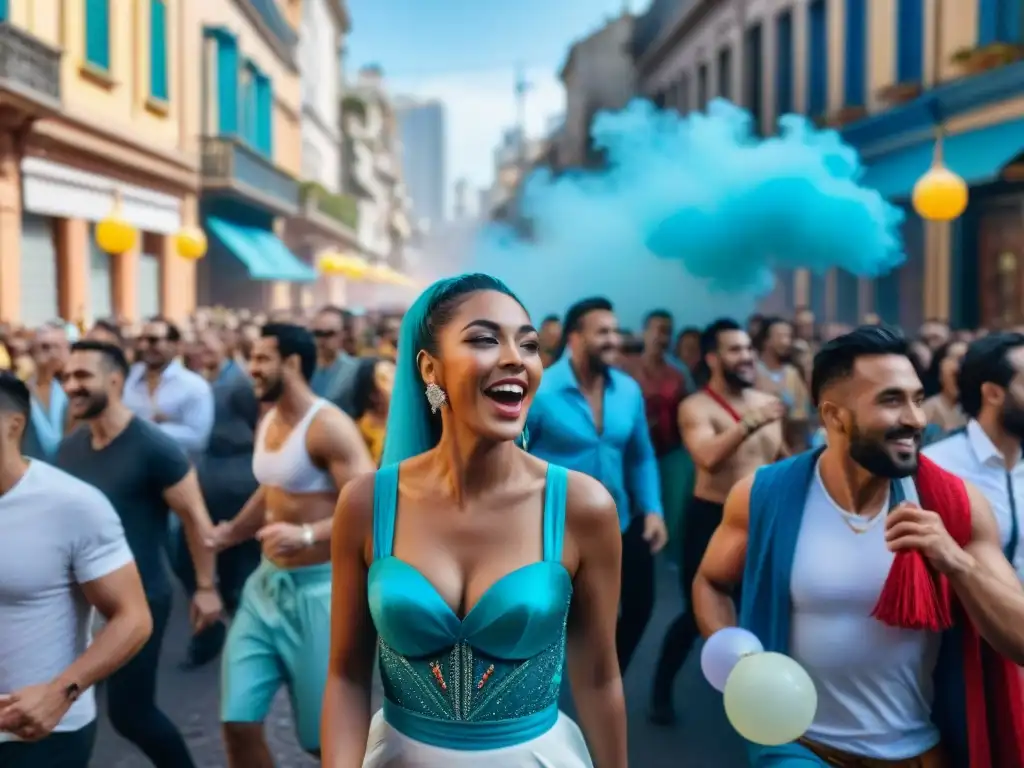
(308, 537)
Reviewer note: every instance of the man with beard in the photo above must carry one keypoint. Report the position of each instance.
(306, 450)
(589, 417)
(162, 390)
(987, 452)
(730, 429)
(845, 568)
(143, 473)
(777, 376)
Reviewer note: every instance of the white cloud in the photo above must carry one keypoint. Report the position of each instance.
(480, 106)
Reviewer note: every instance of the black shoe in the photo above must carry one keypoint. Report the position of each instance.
(205, 647)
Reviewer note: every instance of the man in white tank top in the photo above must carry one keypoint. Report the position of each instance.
(306, 451)
(860, 508)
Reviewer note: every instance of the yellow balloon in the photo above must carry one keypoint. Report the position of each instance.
(115, 235)
(191, 243)
(770, 699)
(940, 195)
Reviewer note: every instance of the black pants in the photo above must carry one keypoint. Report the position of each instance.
(58, 750)
(637, 584)
(131, 700)
(234, 566)
(700, 521)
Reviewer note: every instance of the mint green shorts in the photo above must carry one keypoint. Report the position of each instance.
(280, 636)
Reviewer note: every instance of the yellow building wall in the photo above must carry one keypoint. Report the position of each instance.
(286, 84)
(119, 101)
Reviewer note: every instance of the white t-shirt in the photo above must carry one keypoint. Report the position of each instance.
(56, 532)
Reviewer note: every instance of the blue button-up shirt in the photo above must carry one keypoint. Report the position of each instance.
(182, 396)
(563, 431)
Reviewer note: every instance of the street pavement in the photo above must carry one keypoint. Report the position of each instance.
(702, 739)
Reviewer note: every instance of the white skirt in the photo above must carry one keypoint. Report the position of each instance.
(562, 746)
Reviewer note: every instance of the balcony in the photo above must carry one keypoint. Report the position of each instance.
(333, 214)
(29, 71)
(230, 167)
(268, 20)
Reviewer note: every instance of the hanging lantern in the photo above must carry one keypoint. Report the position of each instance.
(114, 234)
(191, 243)
(940, 195)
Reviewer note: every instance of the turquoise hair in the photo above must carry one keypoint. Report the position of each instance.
(412, 429)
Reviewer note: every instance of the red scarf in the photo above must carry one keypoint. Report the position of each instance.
(916, 597)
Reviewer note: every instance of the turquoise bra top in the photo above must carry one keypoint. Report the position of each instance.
(485, 681)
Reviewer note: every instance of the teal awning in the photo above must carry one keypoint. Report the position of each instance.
(262, 253)
(978, 156)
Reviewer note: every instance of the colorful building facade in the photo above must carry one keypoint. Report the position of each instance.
(889, 74)
(94, 110)
(250, 153)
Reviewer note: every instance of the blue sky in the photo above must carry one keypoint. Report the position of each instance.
(465, 52)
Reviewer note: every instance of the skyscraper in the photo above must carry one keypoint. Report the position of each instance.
(422, 128)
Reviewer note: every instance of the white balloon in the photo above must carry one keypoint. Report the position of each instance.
(770, 699)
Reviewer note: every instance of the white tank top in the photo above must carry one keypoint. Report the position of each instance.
(290, 467)
(874, 681)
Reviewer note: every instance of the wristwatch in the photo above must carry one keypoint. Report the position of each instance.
(308, 537)
(72, 691)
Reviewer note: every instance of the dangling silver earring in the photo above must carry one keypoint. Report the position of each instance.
(436, 397)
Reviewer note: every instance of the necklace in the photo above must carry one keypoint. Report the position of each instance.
(859, 524)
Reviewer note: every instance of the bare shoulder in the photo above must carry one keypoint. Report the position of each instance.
(695, 406)
(353, 514)
(331, 426)
(983, 523)
(737, 503)
(589, 508)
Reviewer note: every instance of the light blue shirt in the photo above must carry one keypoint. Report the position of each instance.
(563, 431)
(182, 396)
(49, 423)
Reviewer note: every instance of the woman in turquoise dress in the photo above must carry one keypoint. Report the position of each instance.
(477, 573)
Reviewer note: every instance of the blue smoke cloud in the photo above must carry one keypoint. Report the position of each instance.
(693, 215)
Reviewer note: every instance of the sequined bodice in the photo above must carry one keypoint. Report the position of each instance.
(503, 661)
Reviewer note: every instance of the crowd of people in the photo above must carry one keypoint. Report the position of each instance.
(538, 471)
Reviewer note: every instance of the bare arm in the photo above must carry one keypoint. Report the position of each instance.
(722, 567)
(186, 501)
(119, 598)
(593, 664)
(246, 523)
(334, 443)
(346, 709)
(709, 449)
(987, 585)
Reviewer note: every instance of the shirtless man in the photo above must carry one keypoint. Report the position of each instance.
(730, 429)
(306, 450)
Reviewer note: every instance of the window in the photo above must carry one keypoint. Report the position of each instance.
(725, 73)
(817, 58)
(97, 34)
(684, 93)
(264, 115)
(247, 119)
(1000, 21)
(702, 86)
(225, 56)
(854, 83)
(784, 64)
(158, 50)
(209, 114)
(753, 95)
(909, 41)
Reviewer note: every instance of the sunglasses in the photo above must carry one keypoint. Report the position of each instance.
(151, 339)
(321, 334)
